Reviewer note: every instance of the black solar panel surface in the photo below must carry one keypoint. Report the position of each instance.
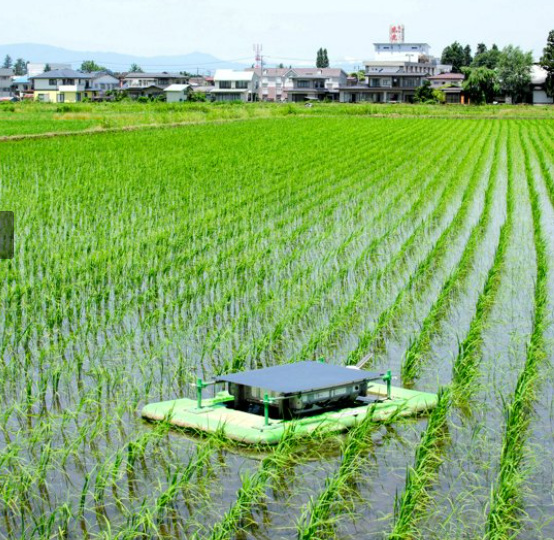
(299, 377)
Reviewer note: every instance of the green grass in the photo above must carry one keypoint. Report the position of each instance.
(33, 118)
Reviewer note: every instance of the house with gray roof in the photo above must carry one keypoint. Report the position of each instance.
(62, 86)
(150, 84)
(299, 84)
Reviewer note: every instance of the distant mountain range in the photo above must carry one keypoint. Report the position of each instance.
(34, 52)
(191, 62)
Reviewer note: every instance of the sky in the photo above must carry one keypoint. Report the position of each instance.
(289, 30)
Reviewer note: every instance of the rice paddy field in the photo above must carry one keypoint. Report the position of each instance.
(147, 258)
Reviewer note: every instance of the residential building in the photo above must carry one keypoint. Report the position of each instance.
(62, 86)
(202, 85)
(34, 68)
(450, 84)
(231, 85)
(538, 86)
(276, 83)
(398, 69)
(6, 81)
(316, 84)
(104, 81)
(150, 84)
(177, 92)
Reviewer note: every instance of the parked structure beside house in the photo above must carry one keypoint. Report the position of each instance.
(21, 86)
(231, 85)
(538, 86)
(177, 92)
(104, 81)
(6, 81)
(450, 84)
(150, 84)
(62, 86)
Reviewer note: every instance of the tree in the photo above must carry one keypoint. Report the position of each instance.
(426, 94)
(20, 67)
(135, 68)
(322, 60)
(481, 84)
(325, 59)
(481, 49)
(467, 56)
(88, 66)
(486, 58)
(7, 62)
(514, 72)
(319, 58)
(281, 66)
(454, 54)
(47, 68)
(547, 63)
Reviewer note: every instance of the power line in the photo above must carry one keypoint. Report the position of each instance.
(195, 64)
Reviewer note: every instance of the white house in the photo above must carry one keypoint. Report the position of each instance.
(538, 80)
(102, 81)
(231, 85)
(177, 92)
(276, 83)
(314, 83)
(62, 86)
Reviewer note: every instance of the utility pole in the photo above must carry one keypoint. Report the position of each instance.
(259, 65)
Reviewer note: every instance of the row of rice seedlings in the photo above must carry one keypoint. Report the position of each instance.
(543, 161)
(253, 488)
(504, 516)
(420, 276)
(465, 367)
(418, 350)
(412, 504)
(317, 515)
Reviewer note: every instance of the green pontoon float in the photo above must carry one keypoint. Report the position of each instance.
(257, 405)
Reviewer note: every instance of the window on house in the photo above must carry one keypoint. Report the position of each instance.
(51, 82)
(303, 84)
(224, 84)
(242, 84)
(60, 98)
